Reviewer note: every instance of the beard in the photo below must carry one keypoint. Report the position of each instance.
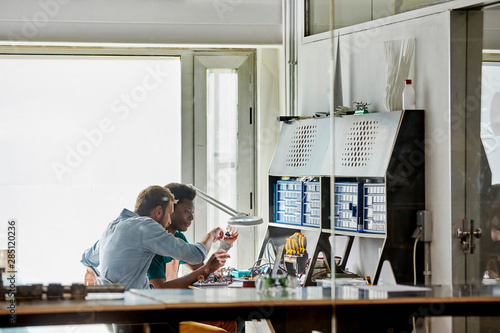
(162, 219)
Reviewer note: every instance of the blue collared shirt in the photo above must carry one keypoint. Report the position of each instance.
(128, 245)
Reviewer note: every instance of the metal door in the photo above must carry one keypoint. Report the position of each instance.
(476, 213)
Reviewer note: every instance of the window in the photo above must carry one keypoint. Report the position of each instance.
(490, 116)
(80, 137)
(317, 13)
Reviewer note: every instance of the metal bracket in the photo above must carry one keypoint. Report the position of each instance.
(465, 234)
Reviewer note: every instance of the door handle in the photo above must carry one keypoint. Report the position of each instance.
(465, 235)
(461, 233)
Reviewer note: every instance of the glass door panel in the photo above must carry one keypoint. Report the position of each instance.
(224, 146)
(222, 140)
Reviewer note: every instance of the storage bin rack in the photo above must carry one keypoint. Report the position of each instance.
(374, 212)
(348, 203)
(300, 145)
(297, 202)
(289, 204)
(312, 204)
(382, 156)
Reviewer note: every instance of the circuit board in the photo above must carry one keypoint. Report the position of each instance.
(212, 284)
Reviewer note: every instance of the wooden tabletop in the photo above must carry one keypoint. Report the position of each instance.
(140, 299)
(346, 295)
(236, 297)
(93, 302)
(156, 305)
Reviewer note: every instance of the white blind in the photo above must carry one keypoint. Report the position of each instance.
(178, 22)
(80, 137)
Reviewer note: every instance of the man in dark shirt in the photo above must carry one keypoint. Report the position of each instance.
(163, 270)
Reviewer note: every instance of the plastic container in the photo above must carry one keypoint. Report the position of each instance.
(408, 96)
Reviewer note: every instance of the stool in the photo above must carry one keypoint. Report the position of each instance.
(195, 327)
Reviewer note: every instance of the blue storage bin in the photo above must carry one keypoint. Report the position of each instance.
(374, 216)
(288, 205)
(312, 204)
(348, 206)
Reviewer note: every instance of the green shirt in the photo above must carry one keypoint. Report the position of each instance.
(157, 268)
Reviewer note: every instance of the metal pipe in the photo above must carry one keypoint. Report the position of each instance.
(427, 264)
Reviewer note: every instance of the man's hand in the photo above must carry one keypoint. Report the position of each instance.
(216, 261)
(229, 238)
(214, 235)
(231, 234)
(89, 278)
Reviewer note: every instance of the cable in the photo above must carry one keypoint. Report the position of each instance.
(415, 257)
(305, 268)
(265, 255)
(318, 273)
(323, 271)
(283, 268)
(254, 266)
(269, 253)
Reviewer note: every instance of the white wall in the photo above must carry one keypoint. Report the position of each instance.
(134, 21)
(364, 78)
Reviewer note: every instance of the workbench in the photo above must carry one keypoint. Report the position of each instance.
(305, 309)
(289, 313)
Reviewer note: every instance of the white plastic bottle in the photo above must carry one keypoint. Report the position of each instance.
(408, 96)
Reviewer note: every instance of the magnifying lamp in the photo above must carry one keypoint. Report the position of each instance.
(237, 218)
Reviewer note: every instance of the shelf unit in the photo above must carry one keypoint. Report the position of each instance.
(381, 152)
(317, 239)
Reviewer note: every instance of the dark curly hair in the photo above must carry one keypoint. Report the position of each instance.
(181, 192)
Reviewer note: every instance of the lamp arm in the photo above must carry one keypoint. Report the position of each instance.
(214, 202)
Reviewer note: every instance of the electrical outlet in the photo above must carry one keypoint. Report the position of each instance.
(424, 221)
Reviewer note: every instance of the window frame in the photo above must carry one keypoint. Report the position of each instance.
(246, 169)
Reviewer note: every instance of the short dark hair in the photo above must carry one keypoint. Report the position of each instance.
(151, 197)
(181, 192)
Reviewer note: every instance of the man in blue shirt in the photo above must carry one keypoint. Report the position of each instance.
(129, 243)
(163, 269)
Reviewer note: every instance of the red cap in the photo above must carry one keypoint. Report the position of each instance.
(407, 81)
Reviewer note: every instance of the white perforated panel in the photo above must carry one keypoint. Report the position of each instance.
(301, 146)
(364, 143)
(363, 146)
(359, 144)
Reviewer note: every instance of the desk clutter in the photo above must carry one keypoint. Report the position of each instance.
(227, 277)
(53, 291)
(56, 291)
(286, 256)
(221, 278)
